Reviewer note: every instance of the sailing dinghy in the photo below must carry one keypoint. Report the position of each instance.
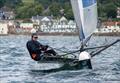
(85, 13)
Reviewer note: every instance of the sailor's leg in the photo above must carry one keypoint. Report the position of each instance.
(39, 57)
(51, 51)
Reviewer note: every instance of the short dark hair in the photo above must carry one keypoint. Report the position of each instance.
(33, 34)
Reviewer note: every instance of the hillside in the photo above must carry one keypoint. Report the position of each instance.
(23, 8)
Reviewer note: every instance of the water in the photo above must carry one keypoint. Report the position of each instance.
(16, 65)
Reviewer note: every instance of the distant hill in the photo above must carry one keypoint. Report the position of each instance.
(106, 8)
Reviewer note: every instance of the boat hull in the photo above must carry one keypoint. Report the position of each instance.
(68, 63)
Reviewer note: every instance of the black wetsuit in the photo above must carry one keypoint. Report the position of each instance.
(35, 48)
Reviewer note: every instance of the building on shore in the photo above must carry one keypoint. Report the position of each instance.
(3, 29)
(109, 27)
(8, 26)
(6, 13)
(24, 28)
(50, 25)
(38, 20)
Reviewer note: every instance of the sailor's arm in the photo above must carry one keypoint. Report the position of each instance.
(33, 49)
(43, 47)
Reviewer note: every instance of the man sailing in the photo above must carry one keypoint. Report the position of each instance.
(37, 50)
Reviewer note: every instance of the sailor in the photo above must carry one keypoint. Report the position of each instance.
(37, 50)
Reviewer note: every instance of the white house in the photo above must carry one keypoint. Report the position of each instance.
(48, 24)
(3, 28)
(58, 25)
(39, 19)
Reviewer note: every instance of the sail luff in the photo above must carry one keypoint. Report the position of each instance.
(78, 14)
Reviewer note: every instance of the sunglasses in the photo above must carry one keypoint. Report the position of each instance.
(35, 37)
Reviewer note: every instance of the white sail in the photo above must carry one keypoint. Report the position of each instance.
(85, 13)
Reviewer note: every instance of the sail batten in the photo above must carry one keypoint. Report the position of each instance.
(85, 13)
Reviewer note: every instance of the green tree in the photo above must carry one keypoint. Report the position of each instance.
(69, 14)
(45, 3)
(55, 9)
(108, 8)
(101, 11)
(111, 10)
(2, 2)
(38, 9)
(117, 3)
(12, 3)
(28, 10)
(68, 11)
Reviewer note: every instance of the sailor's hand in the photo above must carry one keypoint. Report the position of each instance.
(46, 46)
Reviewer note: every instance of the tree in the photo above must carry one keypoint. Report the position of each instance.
(12, 3)
(38, 9)
(68, 11)
(45, 3)
(117, 3)
(69, 14)
(2, 2)
(28, 10)
(55, 9)
(108, 8)
(111, 10)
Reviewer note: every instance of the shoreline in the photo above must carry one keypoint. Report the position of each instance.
(64, 34)
(57, 34)
(108, 34)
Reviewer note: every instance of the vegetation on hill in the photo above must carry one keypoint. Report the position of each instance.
(107, 9)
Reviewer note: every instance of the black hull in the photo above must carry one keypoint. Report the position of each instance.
(68, 63)
(52, 59)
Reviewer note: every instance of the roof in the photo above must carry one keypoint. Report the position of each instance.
(71, 22)
(41, 17)
(6, 9)
(63, 18)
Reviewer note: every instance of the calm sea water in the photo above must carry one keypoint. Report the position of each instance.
(16, 65)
